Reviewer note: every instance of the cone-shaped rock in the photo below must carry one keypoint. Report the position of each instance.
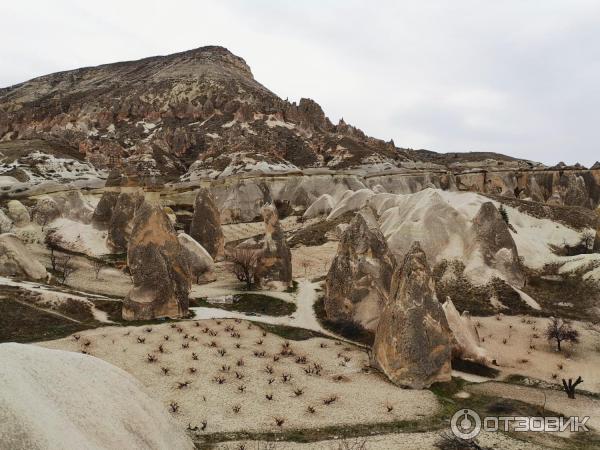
(359, 278)
(275, 264)
(159, 267)
(413, 342)
(496, 243)
(206, 224)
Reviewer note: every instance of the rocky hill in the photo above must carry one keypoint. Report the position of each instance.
(200, 115)
(200, 108)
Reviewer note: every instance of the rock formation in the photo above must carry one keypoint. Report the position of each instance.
(116, 212)
(496, 244)
(6, 224)
(466, 338)
(201, 263)
(18, 213)
(364, 258)
(159, 268)
(45, 211)
(275, 262)
(206, 224)
(16, 260)
(413, 342)
(320, 207)
(58, 399)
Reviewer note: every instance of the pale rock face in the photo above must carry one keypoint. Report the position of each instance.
(16, 260)
(359, 278)
(466, 337)
(6, 224)
(18, 213)
(496, 243)
(413, 342)
(159, 267)
(275, 262)
(45, 211)
(201, 263)
(206, 224)
(73, 206)
(320, 207)
(352, 202)
(95, 405)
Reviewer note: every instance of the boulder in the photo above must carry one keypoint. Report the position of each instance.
(53, 399)
(413, 342)
(466, 338)
(206, 224)
(201, 263)
(6, 224)
(496, 244)
(363, 257)
(275, 261)
(17, 260)
(74, 206)
(159, 267)
(45, 211)
(18, 213)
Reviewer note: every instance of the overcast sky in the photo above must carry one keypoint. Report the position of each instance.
(517, 77)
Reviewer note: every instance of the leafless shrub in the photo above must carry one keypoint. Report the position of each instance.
(166, 337)
(311, 410)
(222, 352)
(240, 362)
(269, 369)
(174, 407)
(64, 268)
(151, 358)
(141, 340)
(269, 397)
(97, 266)
(239, 376)
(225, 368)
(285, 377)
(192, 370)
(569, 386)
(279, 421)
(244, 265)
(195, 356)
(183, 384)
(165, 370)
(236, 409)
(219, 380)
(185, 345)
(330, 400)
(241, 388)
(298, 392)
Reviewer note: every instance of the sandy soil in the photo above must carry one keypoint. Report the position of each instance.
(401, 441)
(361, 397)
(236, 231)
(554, 400)
(528, 353)
(313, 262)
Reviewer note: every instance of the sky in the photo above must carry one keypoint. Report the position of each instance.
(519, 77)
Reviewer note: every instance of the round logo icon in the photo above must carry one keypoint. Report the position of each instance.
(465, 424)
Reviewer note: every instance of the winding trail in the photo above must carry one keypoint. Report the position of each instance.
(304, 317)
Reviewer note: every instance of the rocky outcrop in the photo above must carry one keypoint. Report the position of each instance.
(413, 342)
(104, 210)
(206, 224)
(275, 261)
(18, 213)
(6, 224)
(159, 267)
(496, 244)
(201, 263)
(364, 258)
(74, 206)
(466, 343)
(17, 260)
(45, 211)
(320, 207)
(122, 216)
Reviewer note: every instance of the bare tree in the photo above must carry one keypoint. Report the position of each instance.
(560, 330)
(97, 266)
(64, 268)
(244, 265)
(569, 386)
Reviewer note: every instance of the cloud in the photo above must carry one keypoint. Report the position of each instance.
(518, 77)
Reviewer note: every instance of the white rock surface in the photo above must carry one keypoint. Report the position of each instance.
(200, 259)
(320, 207)
(18, 213)
(466, 336)
(52, 399)
(5, 223)
(16, 260)
(78, 237)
